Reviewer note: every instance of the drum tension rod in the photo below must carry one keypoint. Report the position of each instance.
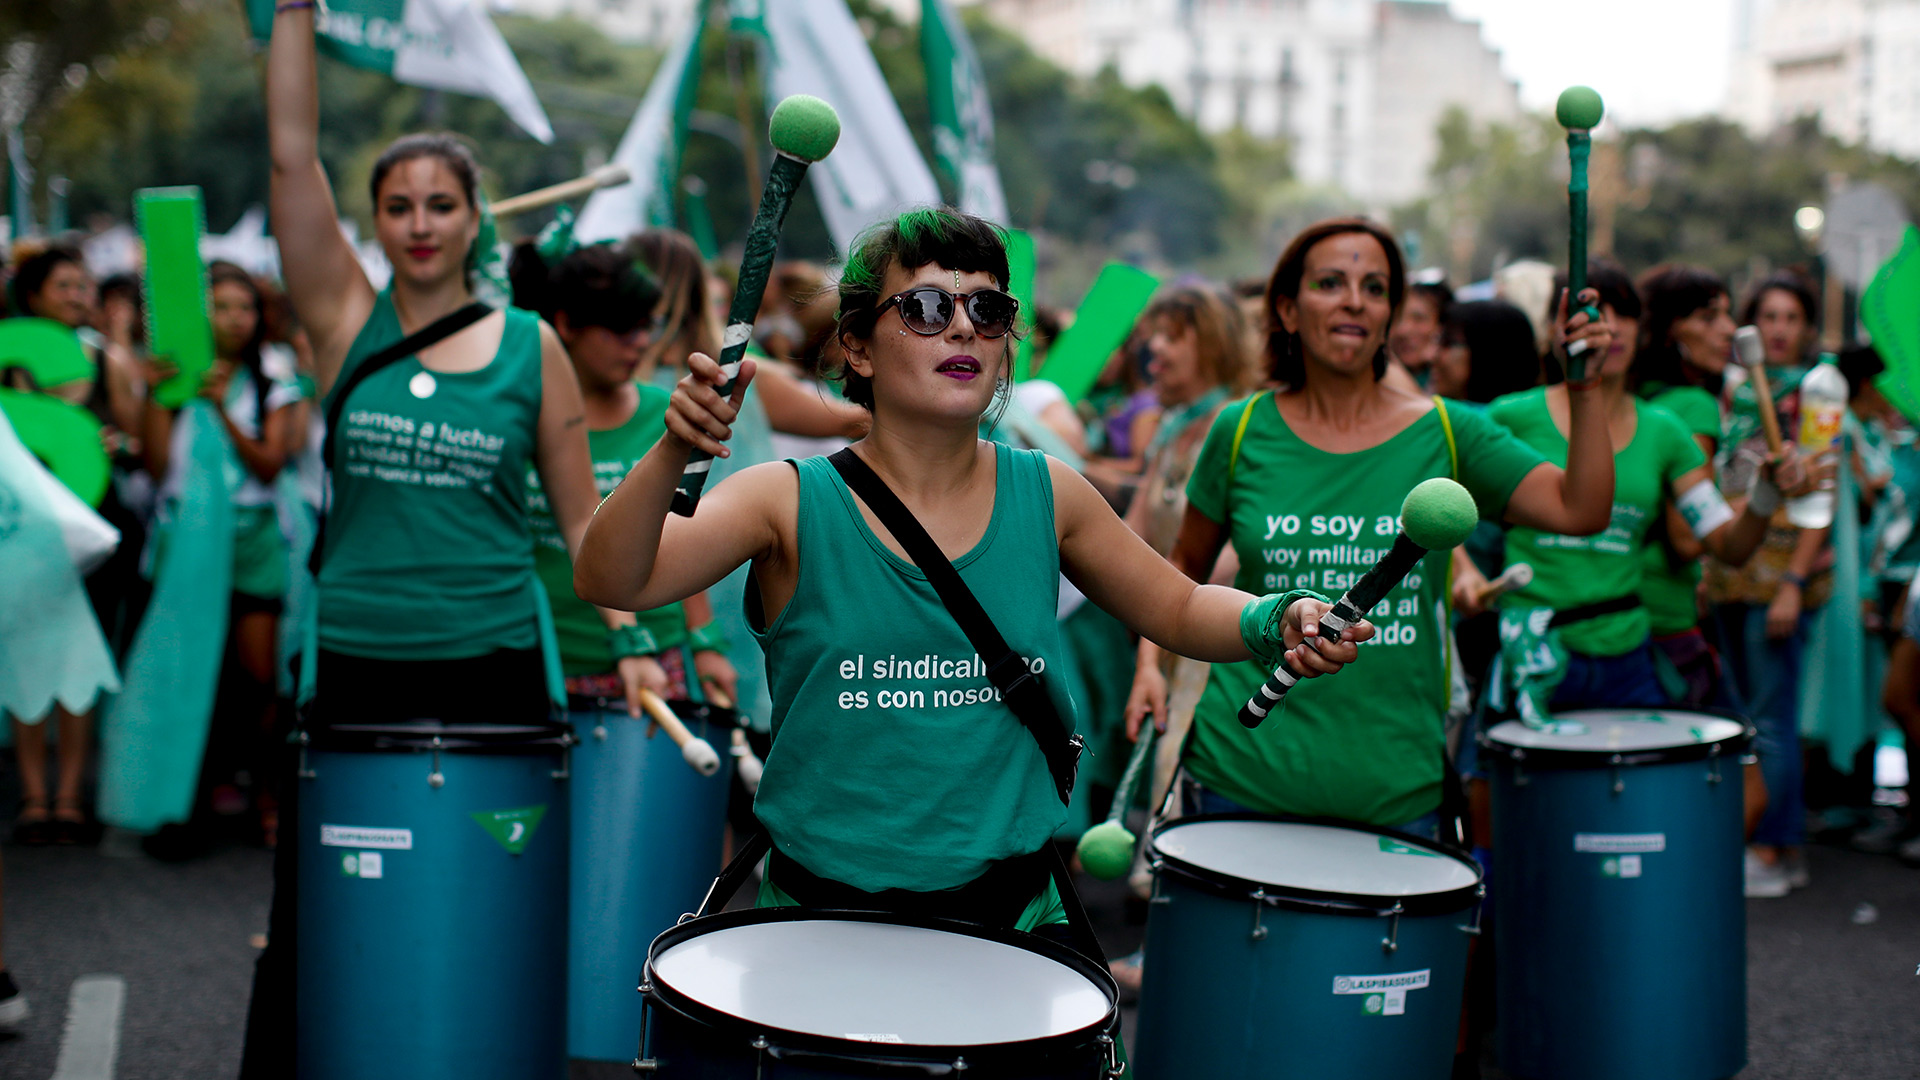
(1619, 784)
(1713, 764)
(1480, 903)
(302, 738)
(1156, 898)
(565, 771)
(1259, 909)
(1115, 1067)
(1519, 770)
(436, 778)
(1391, 943)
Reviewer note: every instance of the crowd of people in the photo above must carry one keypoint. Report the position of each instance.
(1238, 461)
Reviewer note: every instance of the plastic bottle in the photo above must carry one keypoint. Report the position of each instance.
(1823, 405)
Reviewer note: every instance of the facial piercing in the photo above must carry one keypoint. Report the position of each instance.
(956, 281)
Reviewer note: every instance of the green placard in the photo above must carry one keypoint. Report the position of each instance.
(1101, 325)
(513, 828)
(172, 221)
(66, 438)
(47, 350)
(1890, 310)
(1020, 272)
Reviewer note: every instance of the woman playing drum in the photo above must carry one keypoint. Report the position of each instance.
(898, 778)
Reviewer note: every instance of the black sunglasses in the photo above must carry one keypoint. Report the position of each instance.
(928, 310)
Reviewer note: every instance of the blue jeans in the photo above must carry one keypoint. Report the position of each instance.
(1195, 799)
(1766, 675)
(1599, 682)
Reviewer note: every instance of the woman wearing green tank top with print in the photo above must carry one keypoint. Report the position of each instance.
(897, 778)
(1306, 482)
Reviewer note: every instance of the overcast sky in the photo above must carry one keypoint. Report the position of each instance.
(1652, 60)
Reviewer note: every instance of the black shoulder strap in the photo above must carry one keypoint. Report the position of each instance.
(1019, 687)
(426, 337)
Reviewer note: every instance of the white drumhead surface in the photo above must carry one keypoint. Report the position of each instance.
(1322, 858)
(1613, 731)
(875, 982)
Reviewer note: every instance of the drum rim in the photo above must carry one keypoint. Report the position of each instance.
(1366, 905)
(657, 990)
(1537, 757)
(418, 735)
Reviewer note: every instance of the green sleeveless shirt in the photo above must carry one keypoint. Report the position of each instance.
(894, 765)
(429, 556)
(577, 626)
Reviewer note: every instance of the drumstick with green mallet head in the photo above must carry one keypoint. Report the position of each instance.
(1579, 110)
(1437, 515)
(1106, 850)
(803, 130)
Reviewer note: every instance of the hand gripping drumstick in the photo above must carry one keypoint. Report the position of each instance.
(1437, 515)
(1517, 576)
(1579, 111)
(698, 752)
(803, 130)
(1106, 850)
(1752, 354)
(602, 177)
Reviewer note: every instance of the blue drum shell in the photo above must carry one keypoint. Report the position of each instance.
(453, 961)
(647, 838)
(1606, 974)
(1226, 998)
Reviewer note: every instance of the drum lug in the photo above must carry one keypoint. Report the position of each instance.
(1519, 767)
(1619, 784)
(1391, 943)
(1480, 903)
(436, 778)
(1713, 764)
(759, 1045)
(599, 733)
(304, 772)
(1156, 898)
(565, 771)
(1259, 909)
(645, 1065)
(959, 1064)
(1115, 1067)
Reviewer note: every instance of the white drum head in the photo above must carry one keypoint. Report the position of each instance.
(1318, 858)
(883, 983)
(1622, 731)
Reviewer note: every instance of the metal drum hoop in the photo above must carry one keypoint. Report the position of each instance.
(432, 735)
(1290, 898)
(1544, 758)
(781, 1044)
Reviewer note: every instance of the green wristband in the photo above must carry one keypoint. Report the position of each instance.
(628, 641)
(1263, 623)
(708, 638)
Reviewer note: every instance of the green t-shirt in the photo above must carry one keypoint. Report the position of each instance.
(1573, 571)
(1363, 745)
(576, 625)
(894, 763)
(428, 555)
(1667, 592)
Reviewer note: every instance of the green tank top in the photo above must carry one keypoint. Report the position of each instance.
(1669, 591)
(429, 556)
(894, 764)
(577, 626)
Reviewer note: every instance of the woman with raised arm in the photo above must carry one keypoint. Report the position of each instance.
(427, 593)
(900, 778)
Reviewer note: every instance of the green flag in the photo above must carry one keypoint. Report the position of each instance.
(438, 44)
(1890, 310)
(962, 115)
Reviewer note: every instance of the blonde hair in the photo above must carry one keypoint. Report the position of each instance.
(1220, 329)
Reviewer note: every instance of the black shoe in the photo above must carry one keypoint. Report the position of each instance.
(32, 833)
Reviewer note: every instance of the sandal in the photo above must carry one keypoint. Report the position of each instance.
(33, 825)
(69, 825)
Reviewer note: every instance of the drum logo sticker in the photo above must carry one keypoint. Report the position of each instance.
(1383, 995)
(1390, 846)
(355, 836)
(1619, 843)
(854, 1036)
(363, 864)
(513, 828)
(1623, 866)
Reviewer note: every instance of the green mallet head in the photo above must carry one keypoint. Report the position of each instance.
(1106, 850)
(805, 127)
(1438, 514)
(1579, 108)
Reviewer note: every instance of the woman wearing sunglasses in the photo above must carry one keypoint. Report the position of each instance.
(899, 779)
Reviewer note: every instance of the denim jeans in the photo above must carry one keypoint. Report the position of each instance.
(1766, 675)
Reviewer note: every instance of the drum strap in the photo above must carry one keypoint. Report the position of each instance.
(1019, 686)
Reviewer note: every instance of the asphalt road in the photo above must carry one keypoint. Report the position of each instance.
(1834, 988)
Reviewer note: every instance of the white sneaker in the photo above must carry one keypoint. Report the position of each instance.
(1765, 881)
(13, 1005)
(1794, 865)
(1909, 852)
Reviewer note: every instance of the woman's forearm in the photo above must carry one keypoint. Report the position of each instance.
(622, 539)
(1586, 488)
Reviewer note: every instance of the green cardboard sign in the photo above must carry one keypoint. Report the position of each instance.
(1100, 326)
(174, 283)
(66, 438)
(1890, 310)
(47, 350)
(513, 828)
(1021, 267)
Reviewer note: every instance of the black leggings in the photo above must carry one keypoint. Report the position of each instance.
(505, 687)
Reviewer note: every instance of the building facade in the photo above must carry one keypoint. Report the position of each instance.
(1852, 64)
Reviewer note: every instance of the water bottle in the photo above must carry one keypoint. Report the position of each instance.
(1823, 405)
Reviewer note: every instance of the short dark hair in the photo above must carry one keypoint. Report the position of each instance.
(1437, 291)
(933, 234)
(1285, 362)
(596, 285)
(1499, 339)
(1617, 291)
(1672, 291)
(1860, 364)
(448, 148)
(1791, 282)
(34, 270)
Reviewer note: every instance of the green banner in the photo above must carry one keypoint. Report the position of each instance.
(1890, 310)
(962, 114)
(1021, 268)
(513, 828)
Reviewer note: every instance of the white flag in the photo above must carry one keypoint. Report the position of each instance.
(650, 150)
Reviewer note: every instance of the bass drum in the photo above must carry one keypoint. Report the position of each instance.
(793, 994)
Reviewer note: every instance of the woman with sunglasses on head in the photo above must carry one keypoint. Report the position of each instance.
(899, 778)
(1306, 483)
(427, 596)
